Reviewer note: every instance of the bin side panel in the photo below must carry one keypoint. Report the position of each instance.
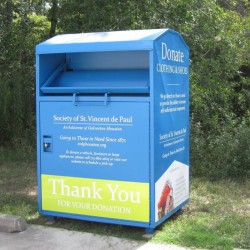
(171, 114)
(95, 159)
(47, 65)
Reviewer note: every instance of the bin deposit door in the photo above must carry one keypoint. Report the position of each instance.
(95, 159)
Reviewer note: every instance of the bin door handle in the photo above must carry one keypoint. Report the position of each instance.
(99, 103)
(105, 99)
(74, 99)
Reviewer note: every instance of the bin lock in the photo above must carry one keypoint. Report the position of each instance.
(76, 103)
(47, 143)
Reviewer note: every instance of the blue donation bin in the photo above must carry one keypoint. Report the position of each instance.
(113, 126)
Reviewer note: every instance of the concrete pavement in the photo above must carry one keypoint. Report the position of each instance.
(47, 238)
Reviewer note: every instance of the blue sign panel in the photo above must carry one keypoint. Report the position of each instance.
(171, 110)
(97, 141)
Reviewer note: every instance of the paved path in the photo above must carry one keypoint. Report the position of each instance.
(47, 238)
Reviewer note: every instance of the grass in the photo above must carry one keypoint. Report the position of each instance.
(217, 216)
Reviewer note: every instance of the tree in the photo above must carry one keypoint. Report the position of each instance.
(217, 32)
(20, 32)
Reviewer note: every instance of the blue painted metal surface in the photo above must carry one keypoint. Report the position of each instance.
(113, 126)
(98, 81)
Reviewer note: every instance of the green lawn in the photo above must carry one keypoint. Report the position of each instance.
(217, 217)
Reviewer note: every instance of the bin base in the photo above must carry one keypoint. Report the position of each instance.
(149, 230)
(52, 218)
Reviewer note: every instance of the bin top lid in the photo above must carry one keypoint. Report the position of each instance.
(101, 41)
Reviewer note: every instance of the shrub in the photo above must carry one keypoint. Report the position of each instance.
(222, 155)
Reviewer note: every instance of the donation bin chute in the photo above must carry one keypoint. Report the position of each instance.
(113, 126)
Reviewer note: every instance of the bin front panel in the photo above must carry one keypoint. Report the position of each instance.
(95, 159)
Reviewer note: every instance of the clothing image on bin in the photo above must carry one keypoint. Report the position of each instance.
(113, 126)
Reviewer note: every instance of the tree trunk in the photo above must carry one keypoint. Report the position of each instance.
(9, 13)
(53, 19)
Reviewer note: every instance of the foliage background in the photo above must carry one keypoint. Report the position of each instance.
(217, 32)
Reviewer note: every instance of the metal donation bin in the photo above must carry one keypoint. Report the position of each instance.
(113, 126)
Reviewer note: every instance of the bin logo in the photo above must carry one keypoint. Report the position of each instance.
(93, 197)
(172, 189)
(165, 203)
